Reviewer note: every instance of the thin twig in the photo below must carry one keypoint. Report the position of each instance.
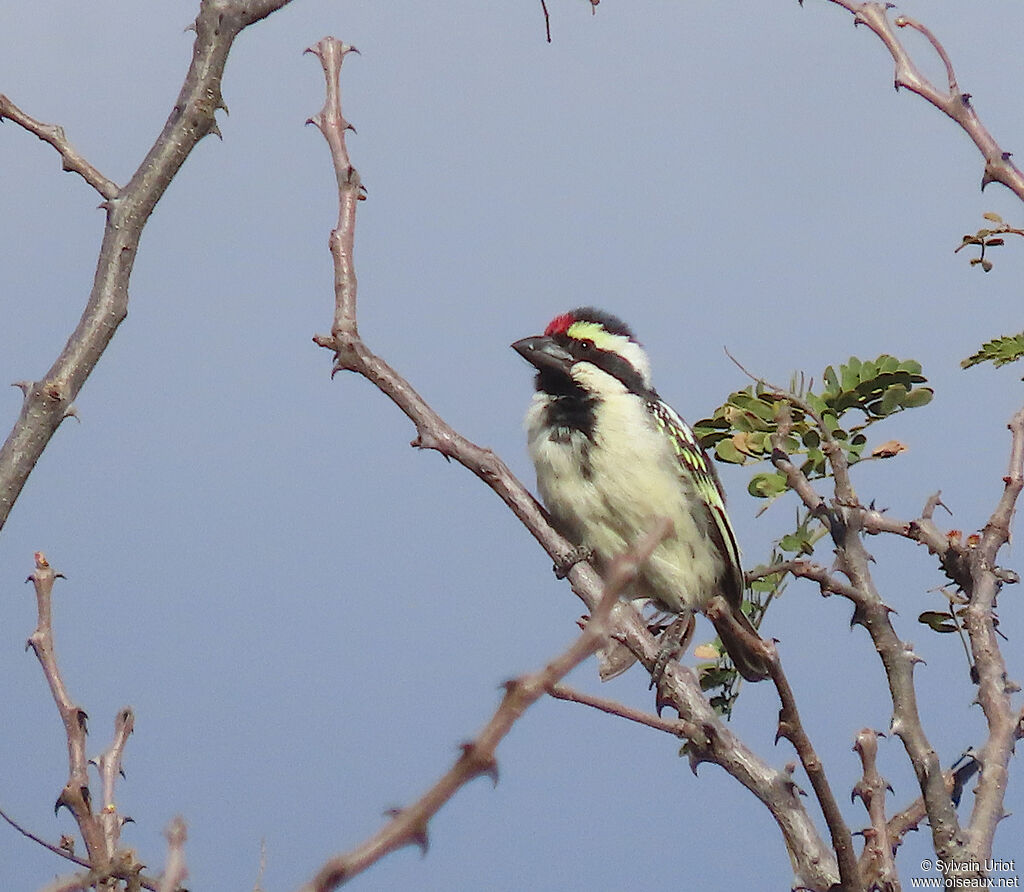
(57, 850)
(55, 136)
(813, 863)
(408, 826)
(953, 103)
(677, 727)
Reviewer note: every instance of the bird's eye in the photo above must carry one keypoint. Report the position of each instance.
(585, 345)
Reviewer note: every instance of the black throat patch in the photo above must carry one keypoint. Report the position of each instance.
(571, 408)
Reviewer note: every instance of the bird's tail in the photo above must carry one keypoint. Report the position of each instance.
(736, 632)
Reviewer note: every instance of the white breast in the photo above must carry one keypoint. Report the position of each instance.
(606, 492)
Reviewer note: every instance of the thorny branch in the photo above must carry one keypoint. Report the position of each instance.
(877, 866)
(951, 102)
(994, 686)
(75, 796)
(814, 864)
(408, 826)
(55, 136)
(49, 401)
(975, 571)
(101, 830)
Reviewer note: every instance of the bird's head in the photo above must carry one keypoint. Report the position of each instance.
(585, 347)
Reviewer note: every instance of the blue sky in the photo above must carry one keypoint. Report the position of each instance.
(307, 615)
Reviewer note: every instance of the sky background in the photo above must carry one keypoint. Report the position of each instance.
(307, 615)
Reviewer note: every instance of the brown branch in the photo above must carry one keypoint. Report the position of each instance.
(952, 102)
(846, 523)
(408, 826)
(814, 865)
(175, 870)
(57, 850)
(55, 136)
(677, 727)
(877, 865)
(117, 870)
(805, 569)
(49, 401)
(792, 729)
(994, 686)
(75, 795)
(909, 818)
(100, 831)
(109, 765)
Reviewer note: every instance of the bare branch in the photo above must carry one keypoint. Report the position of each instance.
(408, 826)
(791, 727)
(877, 865)
(846, 523)
(902, 823)
(677, 728)
(953, 103)
(57, 850)
(55, 136)
(175, 870)
(814, 865)
(110, 767)
(804, 569)
(101, 831)
(48, 401)
(75, 795)
(994, 686)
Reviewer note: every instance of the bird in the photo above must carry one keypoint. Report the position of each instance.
(612, 458)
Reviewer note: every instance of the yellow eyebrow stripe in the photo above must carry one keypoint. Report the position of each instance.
(594, 331)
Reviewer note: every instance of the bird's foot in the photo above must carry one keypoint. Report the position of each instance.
(673, 642)
(575, 555)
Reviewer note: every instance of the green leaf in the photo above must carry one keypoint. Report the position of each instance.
(725, 450)
(850, 373)
(767, 484)
(892, 399)
(999, 351)
(919, 396)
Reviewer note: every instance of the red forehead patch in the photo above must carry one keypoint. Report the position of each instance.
(560, 324)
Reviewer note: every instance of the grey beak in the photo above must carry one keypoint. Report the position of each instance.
(543, 353)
